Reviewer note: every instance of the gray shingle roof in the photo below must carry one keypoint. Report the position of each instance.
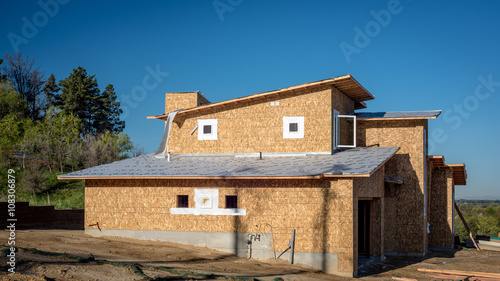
(400, 114)
(357, 161)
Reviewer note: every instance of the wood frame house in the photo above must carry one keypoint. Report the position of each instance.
(240, 175)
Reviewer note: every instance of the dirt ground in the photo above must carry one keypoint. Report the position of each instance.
(112, 258)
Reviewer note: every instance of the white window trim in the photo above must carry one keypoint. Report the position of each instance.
(286, 127)
(210, 208)
(337, 128)
(205, 122)
(334, 129)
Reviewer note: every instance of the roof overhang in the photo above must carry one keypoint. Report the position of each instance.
(401, 115)
(346, 84)
(459, 173)
(458, 170)
(218, 178)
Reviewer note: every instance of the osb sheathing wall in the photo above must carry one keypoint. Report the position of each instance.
(174, 101)
(405, 227)
(323, 212)
(252, 127)
(441, 212)
(373, 188)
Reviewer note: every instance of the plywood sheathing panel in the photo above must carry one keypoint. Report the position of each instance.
(342, 103)
(372, 186)
(430, 170)
(323, 212)
(404, 230)
(174, 101)
(257, 126)
(441, 209)
(377, 236)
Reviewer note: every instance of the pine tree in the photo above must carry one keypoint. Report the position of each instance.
(107, 113)
(51, 90)
(99, 112)
(79, 93)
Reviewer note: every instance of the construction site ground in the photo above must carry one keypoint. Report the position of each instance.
(73, 255)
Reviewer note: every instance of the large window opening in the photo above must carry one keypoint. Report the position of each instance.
(345, 130)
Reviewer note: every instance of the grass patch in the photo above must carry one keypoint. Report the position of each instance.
(61, 194)
(68, 195)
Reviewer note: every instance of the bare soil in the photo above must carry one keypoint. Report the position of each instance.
(113, 258)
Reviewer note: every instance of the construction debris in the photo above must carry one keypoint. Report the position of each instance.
(462, 275)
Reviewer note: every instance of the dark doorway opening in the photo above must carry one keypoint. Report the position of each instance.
(364, 227)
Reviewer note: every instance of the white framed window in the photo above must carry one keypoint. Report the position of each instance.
(207, 129)
(345, 130)
(293, 127)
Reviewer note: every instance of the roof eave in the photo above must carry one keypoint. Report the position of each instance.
(394, 118)
(347, 84)
(214, 177)
(459, 171)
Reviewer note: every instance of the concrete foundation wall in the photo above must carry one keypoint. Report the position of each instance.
(234, 243)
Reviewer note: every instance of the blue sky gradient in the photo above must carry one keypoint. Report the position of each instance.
(412, 55)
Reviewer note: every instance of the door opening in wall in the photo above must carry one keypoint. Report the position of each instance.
(364, 227)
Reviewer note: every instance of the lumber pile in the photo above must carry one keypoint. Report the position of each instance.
(461, 275)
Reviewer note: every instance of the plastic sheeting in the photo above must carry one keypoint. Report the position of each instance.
(160, 152)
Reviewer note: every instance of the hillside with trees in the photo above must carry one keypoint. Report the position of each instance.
(49, 128)
(482, 217)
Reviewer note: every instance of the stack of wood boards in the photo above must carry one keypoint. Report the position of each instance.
(461, 275)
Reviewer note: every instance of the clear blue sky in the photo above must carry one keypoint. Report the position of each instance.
(427, 55)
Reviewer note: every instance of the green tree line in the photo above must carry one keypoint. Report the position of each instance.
(482, 217)
(51, 127)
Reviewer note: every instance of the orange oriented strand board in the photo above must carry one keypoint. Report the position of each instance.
(404, 204)
(322, 211)
(174, 101)
(257, 126)
(441, 215)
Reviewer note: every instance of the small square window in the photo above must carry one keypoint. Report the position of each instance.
(293, 127)
(231, 202)
(182, 201)
(207, 129)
